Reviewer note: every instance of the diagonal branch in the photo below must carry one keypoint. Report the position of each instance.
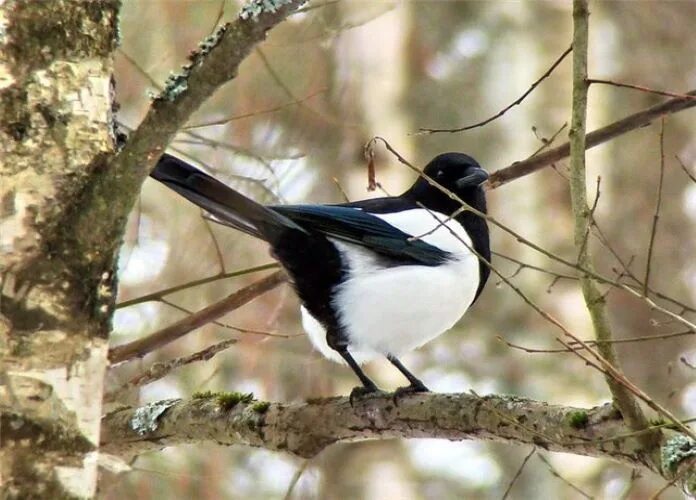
(213, 64)
(594, 138)
(161, 369)
(142, 346)
(202, 281)
(623, 399)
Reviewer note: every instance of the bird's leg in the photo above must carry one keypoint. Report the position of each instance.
(339, 344)
(416, 384)
(368, 386)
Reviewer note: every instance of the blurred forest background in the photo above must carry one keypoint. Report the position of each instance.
(292, 127)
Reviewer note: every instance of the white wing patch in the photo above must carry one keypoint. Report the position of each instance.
(392, 310)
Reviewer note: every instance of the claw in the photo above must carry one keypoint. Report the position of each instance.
(360, 392)
(409, 389)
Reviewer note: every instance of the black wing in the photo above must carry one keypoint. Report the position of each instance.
(353, 225)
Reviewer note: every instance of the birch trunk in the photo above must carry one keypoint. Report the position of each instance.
(56, 64)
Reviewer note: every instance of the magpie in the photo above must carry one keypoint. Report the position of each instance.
(376, 277)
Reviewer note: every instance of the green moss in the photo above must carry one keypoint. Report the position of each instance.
(203, 395)
(261, 406)
(228, 400)
(578, 419)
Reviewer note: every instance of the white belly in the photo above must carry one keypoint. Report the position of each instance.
(397, 309)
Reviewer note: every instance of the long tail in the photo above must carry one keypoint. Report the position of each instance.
(225, 204)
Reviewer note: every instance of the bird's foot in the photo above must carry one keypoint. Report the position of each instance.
(409, 389)
(361, 391)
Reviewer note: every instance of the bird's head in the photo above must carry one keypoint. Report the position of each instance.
(455, 172)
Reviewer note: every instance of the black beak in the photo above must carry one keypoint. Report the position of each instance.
(475, 178)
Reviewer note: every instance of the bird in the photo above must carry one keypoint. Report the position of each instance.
(377, 277)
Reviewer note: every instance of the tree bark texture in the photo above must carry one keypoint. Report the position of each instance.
(56, 65)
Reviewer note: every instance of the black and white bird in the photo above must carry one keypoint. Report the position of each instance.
(377, 277)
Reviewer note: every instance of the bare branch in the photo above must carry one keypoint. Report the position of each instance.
(641, 88)
(518, 473)
(224, 121)
(546, 143)
(161, 369)
(663, 336)
(555, 473)
(599, 136)
(656, 216)
(507, 108)
(210, 279)
(231, 327)
(216, 245)
(686, 171)
(141, 347)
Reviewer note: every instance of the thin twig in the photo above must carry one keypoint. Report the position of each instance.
(296, 479)
(524, 265)
(224, 121)
(686, 469)
(216, 245)
(555, 473)
(141, 347)
(641, 88)
(288, 92)
(518, 473)
(210, 279)
(627, 272)
(648, 338)
(231, 327)
(546, 143)
(344, 195)
(507, 108)
(161, 369)
(686, 171)
(316, 6)
(656, 215)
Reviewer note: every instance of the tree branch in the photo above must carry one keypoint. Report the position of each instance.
(305, 429)
(142, 346)
(594, 138)
(507, 108)
(160, 370)
(213, 64)
(159, 295)
(623, 399)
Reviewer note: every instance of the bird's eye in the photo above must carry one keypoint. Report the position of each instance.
(439, 174)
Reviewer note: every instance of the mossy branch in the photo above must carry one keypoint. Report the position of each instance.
(305, 429)
(594, 300)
